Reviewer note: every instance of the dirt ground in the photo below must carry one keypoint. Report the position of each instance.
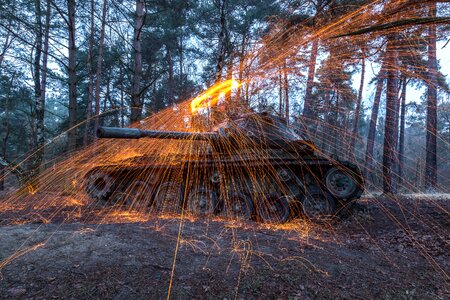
(388, 248)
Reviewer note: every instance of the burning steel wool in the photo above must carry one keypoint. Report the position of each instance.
(228, 195)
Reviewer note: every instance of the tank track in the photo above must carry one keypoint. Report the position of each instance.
(269, 191)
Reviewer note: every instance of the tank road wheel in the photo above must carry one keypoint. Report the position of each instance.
(118, 198)
(340, 183)
(138, 196)
(100, 185)
(202, 202)
(275, 209)
(238, 207)
(318, 205)
(167, 198)
(285, 174)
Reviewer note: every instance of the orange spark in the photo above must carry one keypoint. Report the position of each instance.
(19, 253)
(31, 189)
(125, 217)
(74, 202)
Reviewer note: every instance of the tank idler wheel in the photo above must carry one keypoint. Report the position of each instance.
(167, 198)
(340, 183)
(275, 209)
(318, 205)
(100, 185)
(239, 207)
(202, 202)
(138, 196)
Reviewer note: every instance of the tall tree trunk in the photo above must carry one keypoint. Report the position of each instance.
(324, 133)
(309, 106)
(286, 92)
(44, 70)
(355, 135)
(72, 72)
(180, 54)
(389, 145)
(242, 58)
(105, 98)
(122, 116)
(309, 109)
(99, 67)
(38, 108)
(230, 105)
(6, 137)
(247, 92)
(91, 76)
(136, 103)
(431, 126)
(395, 162)
(335, 124)
(5, 144)
(170, 83)
(37, 59)
(373, 120)
(280, 91)
(32, 123)
(223, 40)
(401, 145)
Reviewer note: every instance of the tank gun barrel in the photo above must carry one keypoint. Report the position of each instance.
(134, 133)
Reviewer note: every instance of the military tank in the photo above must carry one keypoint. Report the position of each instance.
(250, 167)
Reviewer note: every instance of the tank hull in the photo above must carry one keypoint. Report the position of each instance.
(252, 167)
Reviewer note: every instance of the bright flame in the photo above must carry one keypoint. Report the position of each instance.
(211, 96)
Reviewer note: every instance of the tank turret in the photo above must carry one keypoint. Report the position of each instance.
(258, 168)
(259, 130)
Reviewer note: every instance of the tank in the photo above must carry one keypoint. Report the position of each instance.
(253, 166)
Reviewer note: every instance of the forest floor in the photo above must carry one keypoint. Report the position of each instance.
(388, 248)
